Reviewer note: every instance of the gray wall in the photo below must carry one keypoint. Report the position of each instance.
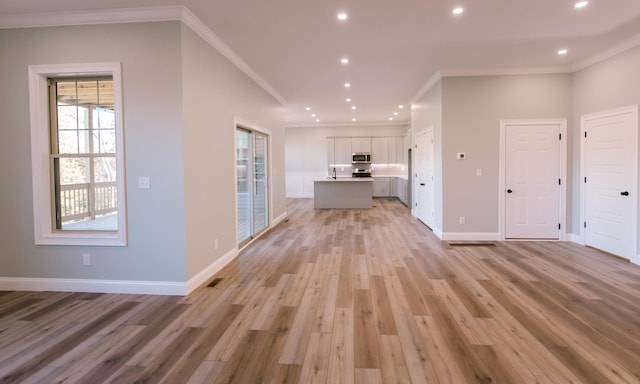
(472, 110)
(180, 97)
(610, 84)
(214, 93)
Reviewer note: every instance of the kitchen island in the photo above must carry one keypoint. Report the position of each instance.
(343, 192)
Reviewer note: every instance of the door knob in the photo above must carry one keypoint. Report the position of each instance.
(625, 193)
(509, 191)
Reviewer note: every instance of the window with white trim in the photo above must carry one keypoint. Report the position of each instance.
(76, 115)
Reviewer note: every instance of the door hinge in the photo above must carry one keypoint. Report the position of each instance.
(585, 134)
(585, 224)
(585, 179)
(559, 181)
(560, 136)
(559, 227)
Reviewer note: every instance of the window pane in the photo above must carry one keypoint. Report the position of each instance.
(68, 142)
(104, 169)
(67, 117)
(74, 170)
(104, 118)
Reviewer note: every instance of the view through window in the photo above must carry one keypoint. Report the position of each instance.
(83, 154)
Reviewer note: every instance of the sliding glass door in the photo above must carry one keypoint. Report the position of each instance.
(251, 176)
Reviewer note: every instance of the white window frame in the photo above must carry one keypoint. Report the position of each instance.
(44, 230)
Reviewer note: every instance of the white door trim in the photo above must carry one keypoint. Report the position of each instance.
(563, 171)
(633, 109)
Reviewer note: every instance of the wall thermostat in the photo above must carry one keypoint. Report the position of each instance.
(461, 156)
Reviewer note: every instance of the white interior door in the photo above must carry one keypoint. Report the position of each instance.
(532, 181)
(424, 178)
(610, 181)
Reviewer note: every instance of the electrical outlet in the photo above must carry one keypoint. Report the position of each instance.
(86, 259)
(462, 220)
(144, 182)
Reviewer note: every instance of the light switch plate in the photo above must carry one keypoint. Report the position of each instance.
(461, 155)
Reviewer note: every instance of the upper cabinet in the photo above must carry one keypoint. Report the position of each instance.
(339, 150)
(380, 150)
(360, 144)
(384, 150)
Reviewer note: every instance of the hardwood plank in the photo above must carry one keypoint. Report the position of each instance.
(366, 346)
(341, 358)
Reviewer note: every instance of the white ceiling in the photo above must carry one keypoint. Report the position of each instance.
(394, 47)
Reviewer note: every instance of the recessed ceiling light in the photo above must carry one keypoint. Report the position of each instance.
(342, 16)
(348, 100)
(317, 120)
(562, 52)
(395, 113)
(354, 119)
(458, 10)
(353, 107)
(581, 4)
(347, 85)
(308, 108)
(313, 115)
(391, 118)
(401, 106)
(344, 60)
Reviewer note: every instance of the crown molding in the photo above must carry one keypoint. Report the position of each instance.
(197, 26)
(138, 15)
(105, 16)
(609, 53)
(433, 80)
(398, 123)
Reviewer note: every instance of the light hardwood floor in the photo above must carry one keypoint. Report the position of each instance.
(347, 296)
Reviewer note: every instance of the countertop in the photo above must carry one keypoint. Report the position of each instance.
(343, 179)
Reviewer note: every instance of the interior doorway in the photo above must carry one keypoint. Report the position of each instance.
(252, 187)
(609, 148)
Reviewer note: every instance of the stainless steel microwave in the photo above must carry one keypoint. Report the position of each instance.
(361, 158)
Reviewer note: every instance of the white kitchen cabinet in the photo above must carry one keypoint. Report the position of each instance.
(401, 190)
(331, 151)
(380, 150)
(339, 150)
(343, 150)
(393, 150)
(360, 144)
(401, 152)
(381, 187)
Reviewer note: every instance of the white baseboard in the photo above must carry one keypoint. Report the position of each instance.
(291, 195)
(470, 236)
(171, 288)
(572, 237)
(278, 219)
(438, 232)
(209, 271)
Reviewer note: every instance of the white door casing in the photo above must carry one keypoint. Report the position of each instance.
(609, 181)
(423, 170)
(532, 192)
